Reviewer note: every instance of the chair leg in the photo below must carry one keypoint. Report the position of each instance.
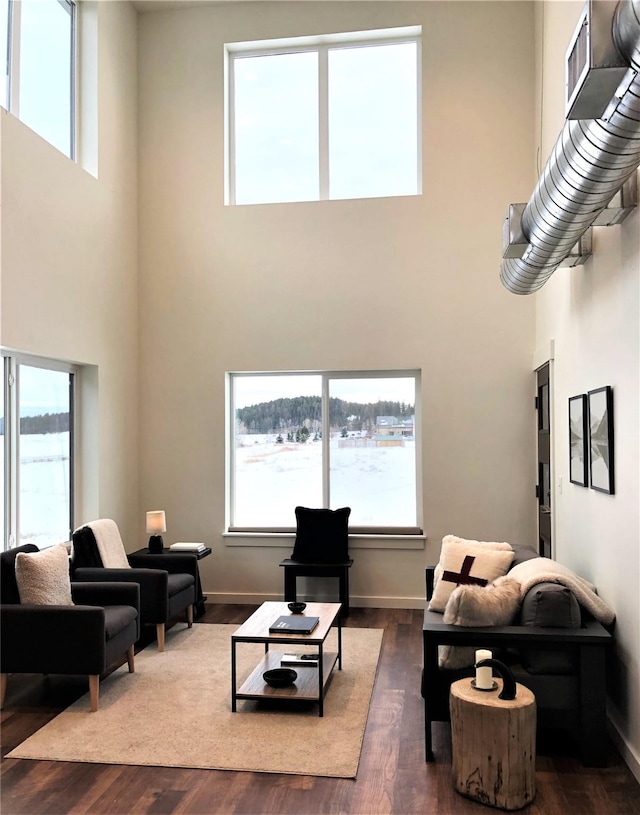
(94, 691)
(189, 616)
(3, 688)
(290, 586)
(160, 635)
(130, 659)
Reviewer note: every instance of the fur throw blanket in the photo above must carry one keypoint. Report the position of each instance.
(495, 604)
(545, 570)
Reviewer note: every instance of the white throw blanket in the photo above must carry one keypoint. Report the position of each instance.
(109, 544)
(545, 570)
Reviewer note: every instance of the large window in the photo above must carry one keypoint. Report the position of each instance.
(315, 119)
(324, 440)
(38, 50)
(38, 447)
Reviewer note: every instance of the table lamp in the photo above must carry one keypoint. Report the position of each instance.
(156, 523)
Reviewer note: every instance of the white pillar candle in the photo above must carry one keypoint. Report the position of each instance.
(484, 676)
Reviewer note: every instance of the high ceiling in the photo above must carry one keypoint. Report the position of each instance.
(164, 5)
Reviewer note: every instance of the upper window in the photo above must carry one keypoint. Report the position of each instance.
(37, 426)
(320, 118)
(4, 51)
(325, 440)
(38, 38)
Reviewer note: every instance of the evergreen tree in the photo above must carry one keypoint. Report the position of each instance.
(291, 414)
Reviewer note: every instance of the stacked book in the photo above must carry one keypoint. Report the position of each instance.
(187, 547)
(293, 624)
(300, 660)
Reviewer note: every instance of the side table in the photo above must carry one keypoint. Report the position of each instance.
(493, 745)
(199, 604)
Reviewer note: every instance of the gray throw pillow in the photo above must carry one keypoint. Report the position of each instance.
(549, 605)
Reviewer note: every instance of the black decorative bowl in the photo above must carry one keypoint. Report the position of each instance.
(280, 677)
(296, 608)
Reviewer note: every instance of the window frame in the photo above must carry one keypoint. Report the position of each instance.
(12, 77)
(321, 44)
(378, 533)
(11, 363)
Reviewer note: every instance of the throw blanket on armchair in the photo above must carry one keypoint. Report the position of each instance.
(109, 544)
(545, 570)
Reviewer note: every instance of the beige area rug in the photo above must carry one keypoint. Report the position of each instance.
(175, 711)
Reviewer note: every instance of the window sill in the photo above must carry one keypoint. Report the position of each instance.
(358, 541)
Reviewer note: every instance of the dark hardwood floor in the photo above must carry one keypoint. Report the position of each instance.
(392, 778)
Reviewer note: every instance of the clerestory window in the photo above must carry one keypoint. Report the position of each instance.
(326, 439)
(331, 117)
(38, 51)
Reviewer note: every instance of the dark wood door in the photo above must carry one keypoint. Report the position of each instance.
(543, 488)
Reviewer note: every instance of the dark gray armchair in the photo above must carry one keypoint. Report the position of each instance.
(165, 591)
(85, 638)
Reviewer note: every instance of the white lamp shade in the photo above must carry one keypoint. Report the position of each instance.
(156, 522)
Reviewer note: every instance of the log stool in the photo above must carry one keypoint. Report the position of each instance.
(493, 745)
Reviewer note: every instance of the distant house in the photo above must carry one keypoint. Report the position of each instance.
(392, 432)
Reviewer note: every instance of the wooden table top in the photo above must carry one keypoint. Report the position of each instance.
(256, 628)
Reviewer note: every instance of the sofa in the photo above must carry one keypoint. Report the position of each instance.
(554, 646)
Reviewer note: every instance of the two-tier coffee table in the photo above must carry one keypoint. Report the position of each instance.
(311, 682)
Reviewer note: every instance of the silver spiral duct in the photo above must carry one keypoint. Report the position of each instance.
(589, 163)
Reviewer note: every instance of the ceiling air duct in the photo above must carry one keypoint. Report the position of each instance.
(594, 159)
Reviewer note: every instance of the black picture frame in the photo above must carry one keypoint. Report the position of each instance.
(601, 458)
(578, 431)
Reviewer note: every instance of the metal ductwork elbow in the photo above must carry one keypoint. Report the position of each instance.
(589, 164)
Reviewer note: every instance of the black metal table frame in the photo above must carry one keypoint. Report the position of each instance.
(290, 639)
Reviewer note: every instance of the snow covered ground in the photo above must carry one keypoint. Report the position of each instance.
(378, 483)
(44, 488)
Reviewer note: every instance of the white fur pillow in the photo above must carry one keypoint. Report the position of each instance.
(467, 562)
(495, 604)
(43, 577)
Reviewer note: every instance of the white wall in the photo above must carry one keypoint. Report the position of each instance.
(69, 266)
(593, 315)
(305, 286)
(212, 283)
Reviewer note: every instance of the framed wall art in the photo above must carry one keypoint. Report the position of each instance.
(578, 432)
(600, 414)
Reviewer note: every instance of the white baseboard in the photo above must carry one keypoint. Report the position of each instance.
(361, 602)
(631, 759)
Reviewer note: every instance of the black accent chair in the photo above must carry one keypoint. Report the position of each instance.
(321, 549)
(82, 639)
(167, 581)
(565, 667)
